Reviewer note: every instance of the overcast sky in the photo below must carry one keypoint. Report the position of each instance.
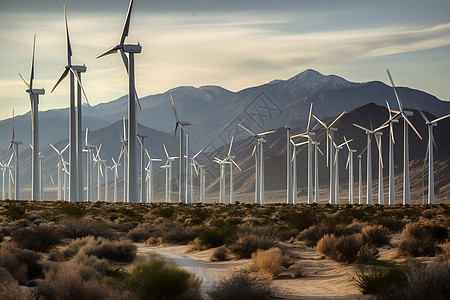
(234, 44)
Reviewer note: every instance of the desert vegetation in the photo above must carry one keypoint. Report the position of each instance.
(46, 246)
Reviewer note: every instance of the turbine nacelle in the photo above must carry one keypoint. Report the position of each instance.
(36, 91)
(80, 69)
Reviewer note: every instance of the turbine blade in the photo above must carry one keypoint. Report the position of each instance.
(381, 127)
(432, 138)
(293, 156)
(348, 160)
(395, 91)
(246, 130)
(56, 150)
(305, 135)
(392, 134)
(69, 48)
(197, 154)
(63, 75)
(322, 123)
(346, 143)
(51, 178)
(235, 164)
(267, 132)
(137, 99)
(361, 127)
(189, 136)
(335, 120)
(309, 117)
(318, 148)
(107, 52)
(81, 86)
(126, 26)
(28, 85)
(165, 150)
(389, 109)
(254, 149)
(32, 63)
(231, 145)
(173, 106)
(441, 118)
(124, 59)
(412, 126)
(124, 129)
(148, 155)
(423, 115)
(379, 152)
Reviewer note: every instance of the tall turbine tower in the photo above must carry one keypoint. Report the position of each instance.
(192, 166)
(316, 170)
(336, 167)
(391, 121)
(378, 136)
(34, 99)
(259, 163)
(15, 144)
(116, 175)
(89, 168)
(405, 114)
(229, 159)
(221, 164)
(294, 169)
(132, 97)
(75, 137)
(168, 167)
(431, 144)
(349, 166)
(330, 152)
(60, 168)
(288, 165)
(141, 138)
(149, 169)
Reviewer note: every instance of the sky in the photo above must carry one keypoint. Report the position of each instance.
(234, 44)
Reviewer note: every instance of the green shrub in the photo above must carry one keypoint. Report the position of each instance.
(375, 280)
(416, 240)
(164, 212)
(249, 243)
(242, 285)
(40, 238)
(215, 237)
(15, 212)
(156, 279)
(219, 254)
(123, 251)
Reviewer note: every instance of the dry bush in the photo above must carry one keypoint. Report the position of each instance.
(101, 266)
(392, 223)
(40, 238)
(346, 249)
(423, 282)
(242, 285)
(268, 262)
(140, 233)
(175, 232)
(22, 264)
(298, 270)
(415, 241)
(124, 251)
(446, 248)
(67, 252)
(251, 239)
(78, 228)
(376, 235)
(10, 289)
(314, 233)
(219, 254)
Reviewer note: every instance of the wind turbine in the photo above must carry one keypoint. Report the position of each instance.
(132, 97)
(309, 134)
(229, 159)
(222, 178)
(405, 114)
(259, 163)
(392, 120)
(289, 165)
(149, 169)
(75, 128)
(369, 134)
(294, 169)
(15, 144)
(6, 168)
(123, 151)
(349, 166)
(34, 99)
(141, 138)
(192, 167)
(89, 169)
(99, 162)
(106, 180)
(316, 170)
(184, 155)
(360, 189)
(60, 168)
(168, 167)
(41, 176)
(431, 143)
(336, 167)
(330, 152)
(116, 175)
(378, 136)
(202, 174)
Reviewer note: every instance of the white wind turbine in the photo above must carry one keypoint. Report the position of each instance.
(89, 168)
(191, 177)
(202, 179)
(336, 167)
(330, 152)
(294, 169)
(60, 168)
(360, 188)
(229, 160)
(309, 134)
(123, 151)
(349, 166)
(116, 175)
(168, 167)
(289, 168)
(431, 144)
(34, 99)
(15, 144)
(183, 154)
(128, 62)
(149, 168)
(6, 168)
(221, 178)
(75, 128)
(316, 170)
(369, 134)
(41, 175)
(141, 138)
(106, 181)
(99, 162)
(378, 136)
(405, 114)
(259, 163)
(391, 121)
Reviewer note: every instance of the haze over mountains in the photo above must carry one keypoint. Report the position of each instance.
(215, 112)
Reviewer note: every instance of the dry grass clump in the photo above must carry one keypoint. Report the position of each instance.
(416, 240)
(173, 233)
(10, 289)
(298, 270)
(22, 264)
(376, 235)
(314, 233)
(446, 248)
(268, 262)
(39, 238)
(140, 233)
(219, 254)
(251, 239)
(242, 285)
(78, 228)
(346, 249)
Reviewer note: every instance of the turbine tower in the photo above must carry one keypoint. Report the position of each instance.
(89, 168)
(6, 168)
(259, 163)
(349, 166)
(141, 138)
(316, 170)
(60, 168)
(132, 97)
(149, 169)
(168, 167)
(405, 114)
(222, 179)
(75, 128)
(294, 169)
(330, 152)
(378, 136)
(431, 144)
(116, 175)
(34, 99)
(336, 167)
(288, 165)
(229, 160)
(15, 144)
(191, 177)
(391, 121)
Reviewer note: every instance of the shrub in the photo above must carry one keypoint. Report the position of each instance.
(219, 254)
(392, 223)
(440, 233)
(140, 233)
(446, 248)
(15, 212)
(9, 288)
(376, 280)
(78, 228)
(215, 237)
(346, 249)
(67, 252)
(156, 279)
(242, 285)
(314, 233)
(268, 262)
(376, 235)
(175, 232)
(423, 282)
(297, 270)
(41, 238)
(251, 239)
(415, 240)
(21, 263)
(123, 251)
